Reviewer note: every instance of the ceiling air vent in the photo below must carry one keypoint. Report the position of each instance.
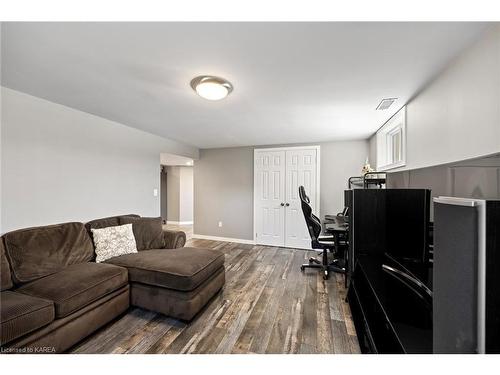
(385, 103)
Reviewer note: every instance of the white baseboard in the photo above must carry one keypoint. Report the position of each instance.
(180, 222)
(225, 239)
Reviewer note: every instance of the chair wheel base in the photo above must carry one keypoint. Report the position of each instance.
(314, 261)
(326, 269)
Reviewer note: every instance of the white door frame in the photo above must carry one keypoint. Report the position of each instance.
(316, 209)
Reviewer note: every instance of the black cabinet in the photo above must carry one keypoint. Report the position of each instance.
(391, 307)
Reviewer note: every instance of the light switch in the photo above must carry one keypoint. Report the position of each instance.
(220, 224)
(155, 192)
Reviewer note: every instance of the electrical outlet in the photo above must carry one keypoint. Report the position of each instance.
(220, 224)
(155, 192)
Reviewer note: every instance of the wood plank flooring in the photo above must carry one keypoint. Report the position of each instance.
(267, 306)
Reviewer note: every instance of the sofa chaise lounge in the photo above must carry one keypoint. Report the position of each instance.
(53, 293)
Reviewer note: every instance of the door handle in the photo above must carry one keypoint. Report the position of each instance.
(282, 204)
(288, 204)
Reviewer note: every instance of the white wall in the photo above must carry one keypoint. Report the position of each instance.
(173, 193)
(59, 164)
(223, 185)
(457, 116)
(180, 194)
(186, 195)
(339, 161)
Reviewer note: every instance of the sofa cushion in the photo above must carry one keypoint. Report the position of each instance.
(175, 303)
(105, 222)
(179, 269)
(148, 232)
(6, 281)
(77, 286)
(42, 251)
(21, 314)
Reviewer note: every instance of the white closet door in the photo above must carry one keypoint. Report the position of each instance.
(300, 170)
(269, 197)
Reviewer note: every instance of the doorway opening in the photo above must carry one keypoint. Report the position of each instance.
(177, 192)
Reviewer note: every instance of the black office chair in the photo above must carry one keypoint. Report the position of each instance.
(326, 244)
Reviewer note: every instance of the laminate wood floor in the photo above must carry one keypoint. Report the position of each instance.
(267, 306)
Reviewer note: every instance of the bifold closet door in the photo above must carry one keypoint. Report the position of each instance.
(300, 170)
(278, 214)
(269, 197)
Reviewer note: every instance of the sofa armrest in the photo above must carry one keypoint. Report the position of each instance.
(174, 239)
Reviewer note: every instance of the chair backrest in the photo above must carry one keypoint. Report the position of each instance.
(312, 221)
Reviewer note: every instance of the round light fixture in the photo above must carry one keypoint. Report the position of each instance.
(211, 87)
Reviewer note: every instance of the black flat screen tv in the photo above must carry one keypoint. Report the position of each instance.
(390, 221)
(407, 223)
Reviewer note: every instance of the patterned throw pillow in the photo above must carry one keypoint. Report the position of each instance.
(111, 242)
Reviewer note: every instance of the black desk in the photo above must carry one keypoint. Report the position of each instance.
(338, 227)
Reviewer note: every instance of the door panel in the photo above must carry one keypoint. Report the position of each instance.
(269, 194)
(300, 170)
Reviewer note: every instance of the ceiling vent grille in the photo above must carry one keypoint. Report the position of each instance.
(385, 103)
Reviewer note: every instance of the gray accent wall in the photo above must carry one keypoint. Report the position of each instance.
(223, 185)
(223, 191)
(59, 164)
(476, 178)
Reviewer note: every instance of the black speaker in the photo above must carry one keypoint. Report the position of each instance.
(466, 303)
(455, 278)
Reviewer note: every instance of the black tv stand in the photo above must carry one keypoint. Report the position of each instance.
(391, 307)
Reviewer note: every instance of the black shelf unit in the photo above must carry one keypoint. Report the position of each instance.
(392, 314)
(389, 271)
(367, 180)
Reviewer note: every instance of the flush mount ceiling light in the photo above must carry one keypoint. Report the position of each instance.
(211, 87)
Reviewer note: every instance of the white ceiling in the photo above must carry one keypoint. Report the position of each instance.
(293, 82)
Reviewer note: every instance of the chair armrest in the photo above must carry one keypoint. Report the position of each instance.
(174, 239)
(326, 238)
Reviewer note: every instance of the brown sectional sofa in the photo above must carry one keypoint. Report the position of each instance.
(53, 294)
